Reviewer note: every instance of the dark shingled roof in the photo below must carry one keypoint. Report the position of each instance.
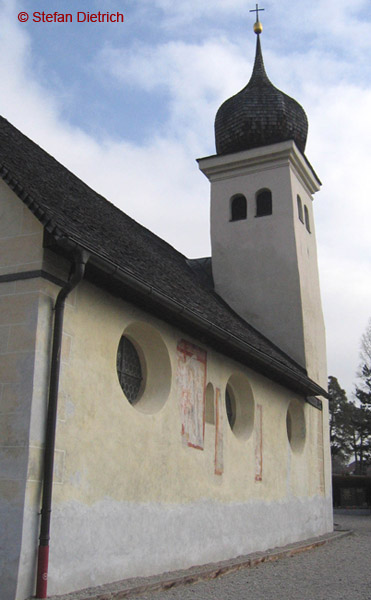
(259, 115)
(147, 269)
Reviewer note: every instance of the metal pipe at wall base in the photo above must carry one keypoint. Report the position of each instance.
(42, 571)
(43, 552)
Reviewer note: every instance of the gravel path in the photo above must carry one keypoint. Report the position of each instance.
(340, 570)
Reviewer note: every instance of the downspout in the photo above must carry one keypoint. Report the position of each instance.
(43, 552)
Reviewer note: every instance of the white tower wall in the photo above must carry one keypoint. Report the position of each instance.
(265, 267)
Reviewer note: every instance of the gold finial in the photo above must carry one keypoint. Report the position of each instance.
(258, 27)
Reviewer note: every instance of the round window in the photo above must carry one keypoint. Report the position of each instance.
(230, 405)
(240, 407)
(143, 367)
(295, 425)
(129, 370)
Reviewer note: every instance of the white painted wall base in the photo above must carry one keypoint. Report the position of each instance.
(109, 541)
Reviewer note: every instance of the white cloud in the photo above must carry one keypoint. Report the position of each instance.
(195, 77)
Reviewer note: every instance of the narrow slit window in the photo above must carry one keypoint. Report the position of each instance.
(263, 203)
(307, 221)
(300, 209)
(238, 208)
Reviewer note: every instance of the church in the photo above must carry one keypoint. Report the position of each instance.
(160, 412)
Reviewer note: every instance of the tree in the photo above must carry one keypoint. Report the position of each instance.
(362, 415)
(365, 353)
(363, 392)
(350, 430)
(360, 440)
(341, 427)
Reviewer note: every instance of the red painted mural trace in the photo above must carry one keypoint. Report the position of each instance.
(191, 384)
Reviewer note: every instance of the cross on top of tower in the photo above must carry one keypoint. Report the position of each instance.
(258, 27)
(257, 9)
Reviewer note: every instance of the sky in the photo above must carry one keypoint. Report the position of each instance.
(129, 106)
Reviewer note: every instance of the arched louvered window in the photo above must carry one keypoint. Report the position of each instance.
(300, 209)
(238, 207)
(306, 215)
(263, 203)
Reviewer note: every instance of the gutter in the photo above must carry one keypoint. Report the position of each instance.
(43, 552)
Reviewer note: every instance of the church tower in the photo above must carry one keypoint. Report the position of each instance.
(264, 256)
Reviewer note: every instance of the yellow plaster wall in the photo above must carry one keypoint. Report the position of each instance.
(110, 449)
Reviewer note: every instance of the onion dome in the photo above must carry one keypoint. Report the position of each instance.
(259, 115)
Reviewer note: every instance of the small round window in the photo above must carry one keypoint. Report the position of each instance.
(129, 370)
(239, 405)
(295, 426)
(230, 405)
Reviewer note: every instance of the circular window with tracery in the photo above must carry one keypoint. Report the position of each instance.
(143, 367)
(129, 369)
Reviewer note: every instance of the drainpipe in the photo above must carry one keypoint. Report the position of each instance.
(43, 553)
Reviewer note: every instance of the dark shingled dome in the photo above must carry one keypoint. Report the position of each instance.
(259, 115)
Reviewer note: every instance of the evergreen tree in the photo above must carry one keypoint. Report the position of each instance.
(341, 426)
(360, 439)
(350, 430)
(363, 392)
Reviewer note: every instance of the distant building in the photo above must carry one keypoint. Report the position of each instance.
(191, 418)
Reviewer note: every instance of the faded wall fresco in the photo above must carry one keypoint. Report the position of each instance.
(259, 443)
(218, 433)
(191, 386)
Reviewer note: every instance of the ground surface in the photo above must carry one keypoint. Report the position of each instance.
(340, 570)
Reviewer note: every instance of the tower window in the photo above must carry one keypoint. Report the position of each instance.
(238, 207)
(263, 203)
(300, 209)
(307, 221)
